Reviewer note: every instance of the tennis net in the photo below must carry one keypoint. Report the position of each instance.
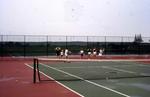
(89, 69)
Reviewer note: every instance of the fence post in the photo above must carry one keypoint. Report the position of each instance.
(66, 42)
(24, 50)
(87, 42)
(122, 46)
(105, 45)
(139, 48)
(1, 44)
(47, 45)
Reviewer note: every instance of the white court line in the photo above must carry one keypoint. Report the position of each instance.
(57, 81)
(125, 95)
(105, 67)
(133, 64)
(74, 67)
(91, 60)
(126, 71)
(122, 70)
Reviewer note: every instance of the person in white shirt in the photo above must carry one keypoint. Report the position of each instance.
(66, 53)
(81, 53)
(100, 52)
(94, 52)
(62, 53)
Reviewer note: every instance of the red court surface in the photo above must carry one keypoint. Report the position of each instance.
(16, 81)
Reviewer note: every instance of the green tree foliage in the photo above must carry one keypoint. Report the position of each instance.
(138, 38)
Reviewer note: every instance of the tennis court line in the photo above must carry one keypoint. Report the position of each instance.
(125, 95)
(74, 67)
(91, 60)
(122, 70)
(106, 67)
(126, 71)
(56, 81)
(135, 63)
(142, 65)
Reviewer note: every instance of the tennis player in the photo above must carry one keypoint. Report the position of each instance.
(89, 53)
(81, 53)
(58, 50)
(62, 53)
(66, 53)
(94, 52)
(100, 52)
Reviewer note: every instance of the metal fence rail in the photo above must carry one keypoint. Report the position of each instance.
(36, 45)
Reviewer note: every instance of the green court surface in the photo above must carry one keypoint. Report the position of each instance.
(102, 79)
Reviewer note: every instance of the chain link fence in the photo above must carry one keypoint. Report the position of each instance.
(34, 45)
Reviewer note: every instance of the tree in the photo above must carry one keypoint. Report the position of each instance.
(138, 38)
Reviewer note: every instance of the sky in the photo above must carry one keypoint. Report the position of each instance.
(75, 17)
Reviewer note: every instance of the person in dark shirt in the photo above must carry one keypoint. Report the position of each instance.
(58, 50)
(81, 53)
(89, 53)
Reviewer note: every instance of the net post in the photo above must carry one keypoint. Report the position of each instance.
(38, 69)
(34, 70)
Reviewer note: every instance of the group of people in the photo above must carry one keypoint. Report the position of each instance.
(90, 52)
(60, 52)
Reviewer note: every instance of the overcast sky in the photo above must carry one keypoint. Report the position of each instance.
(75, 17)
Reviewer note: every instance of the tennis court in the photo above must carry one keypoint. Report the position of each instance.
(97, 78)
(74, 48)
